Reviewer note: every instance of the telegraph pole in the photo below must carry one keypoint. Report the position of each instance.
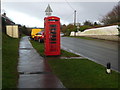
(119, 12)
(75, 18)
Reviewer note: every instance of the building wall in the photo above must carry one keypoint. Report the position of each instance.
(12, 31)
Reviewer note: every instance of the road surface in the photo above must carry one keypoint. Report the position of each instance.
(99, 51)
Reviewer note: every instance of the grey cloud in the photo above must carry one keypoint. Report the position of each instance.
(85, 10)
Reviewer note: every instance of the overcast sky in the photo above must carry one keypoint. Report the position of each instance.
(32, 13)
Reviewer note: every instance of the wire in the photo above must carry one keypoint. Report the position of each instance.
(69, 16)
(69, 4)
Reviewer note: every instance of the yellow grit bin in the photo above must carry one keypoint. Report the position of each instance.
(34, 32)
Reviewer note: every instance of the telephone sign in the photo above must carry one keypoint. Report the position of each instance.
(52, 36)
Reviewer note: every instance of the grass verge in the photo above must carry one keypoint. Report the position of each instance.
(82, 37)
(9, 61)
(80, 73)
(40, 49)
(83, 73)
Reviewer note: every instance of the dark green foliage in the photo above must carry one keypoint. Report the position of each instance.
(63, 28)
(87, 22)
(95, 24)
(119, 29)
(25, 30)
(68, 29)
(84, 27)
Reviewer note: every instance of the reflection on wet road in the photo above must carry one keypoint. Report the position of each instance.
(99, 51)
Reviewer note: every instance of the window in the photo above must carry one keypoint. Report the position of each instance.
(53, 20)
(52, 25)
(38, 34)
(53, 36)
(53, 39)
(52, 42)
(53, 32)
(53, 29)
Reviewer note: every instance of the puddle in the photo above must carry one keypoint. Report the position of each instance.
(25, 48)
(35, 73)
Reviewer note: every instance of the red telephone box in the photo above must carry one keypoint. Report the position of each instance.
(52, 36)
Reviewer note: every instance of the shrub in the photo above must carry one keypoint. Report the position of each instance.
(82, 28)
(119, 29)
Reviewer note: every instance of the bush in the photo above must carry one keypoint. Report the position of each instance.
(119, 29)
(82, 28)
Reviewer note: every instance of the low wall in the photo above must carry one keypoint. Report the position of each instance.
(109, 30)
(105, 37)
(107, 33)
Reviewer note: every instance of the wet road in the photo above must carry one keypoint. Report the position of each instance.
(34, 69)
(99, 51)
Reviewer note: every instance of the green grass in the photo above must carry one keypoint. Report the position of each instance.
(40, 49)
(9, 61)
(82, 37)
(89, 38)
(83, 73)
(68, 54)
(79, 73)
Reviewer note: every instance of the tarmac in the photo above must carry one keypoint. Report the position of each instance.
(34, 71)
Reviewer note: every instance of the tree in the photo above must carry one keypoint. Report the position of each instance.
(84, 27)
(95, 24)
(63, 28)
(71, 28)
(67, 29)
(113, 16)
(87, 22)
(119, 29)
(24, 30)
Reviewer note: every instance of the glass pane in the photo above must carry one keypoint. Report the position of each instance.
(52, 42)
(52, 25)
(53, 32)
(52, 20)
(53, 39)
(53, 36)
